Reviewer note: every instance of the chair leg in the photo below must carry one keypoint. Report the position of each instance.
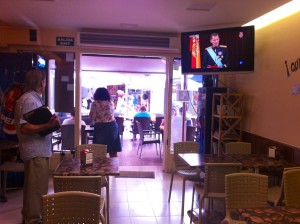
(156, 148)
(192, 209)
(107, 201)
(183, 198)
(141, 151)
(3, 187)
(171, 185)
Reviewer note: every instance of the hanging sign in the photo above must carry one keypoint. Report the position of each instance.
(65, 41)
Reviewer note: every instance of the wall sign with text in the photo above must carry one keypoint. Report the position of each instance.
(65, 41)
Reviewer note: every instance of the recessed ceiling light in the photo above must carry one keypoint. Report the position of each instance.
(201, 6)
(128, 25)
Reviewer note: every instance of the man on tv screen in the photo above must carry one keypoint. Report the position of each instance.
(215, 56)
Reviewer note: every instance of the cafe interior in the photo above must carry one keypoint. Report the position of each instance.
(228, 151)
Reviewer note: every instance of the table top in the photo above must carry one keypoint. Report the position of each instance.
(199, 160)
(100, 167)
(280, 214)
(253, 161)
(258, 161)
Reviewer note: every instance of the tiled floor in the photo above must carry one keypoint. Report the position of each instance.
(132, 200)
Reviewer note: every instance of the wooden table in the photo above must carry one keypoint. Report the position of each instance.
(282, 214)
(252, 161)
(100, 167)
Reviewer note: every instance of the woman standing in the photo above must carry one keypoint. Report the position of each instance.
(106, 129)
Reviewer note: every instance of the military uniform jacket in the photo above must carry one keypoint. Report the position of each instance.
(221, 53)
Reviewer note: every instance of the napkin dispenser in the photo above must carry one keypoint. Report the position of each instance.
(272, 151)
(86, 157)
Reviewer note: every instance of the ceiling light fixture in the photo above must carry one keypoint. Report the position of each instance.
(201, 6)
(275, 15)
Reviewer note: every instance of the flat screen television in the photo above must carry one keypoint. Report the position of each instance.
(218, 51)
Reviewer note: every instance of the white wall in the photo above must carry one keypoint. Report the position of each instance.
(271, 109)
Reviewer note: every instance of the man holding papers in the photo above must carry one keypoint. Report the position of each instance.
(35, 149)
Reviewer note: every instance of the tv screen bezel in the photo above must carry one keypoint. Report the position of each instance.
(186, 55)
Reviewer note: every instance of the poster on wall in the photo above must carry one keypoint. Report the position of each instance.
(13, 68)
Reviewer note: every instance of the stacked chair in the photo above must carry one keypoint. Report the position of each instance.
(91, 184)
(99, 151)
(71, 207)
(214, 183)
(181, 169)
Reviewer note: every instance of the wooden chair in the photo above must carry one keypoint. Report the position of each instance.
(214, 183)
(185, 172)
(149, 139)
(71, 207)
(238, 148)
(6, 168)
(91, 184)
(243, 148)
(291, 186)
(99, 151)
(275, 193)
(244, 190)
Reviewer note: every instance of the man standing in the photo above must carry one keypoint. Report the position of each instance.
(215, 56)
(35, 150)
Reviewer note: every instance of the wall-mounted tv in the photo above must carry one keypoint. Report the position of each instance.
(218, 51)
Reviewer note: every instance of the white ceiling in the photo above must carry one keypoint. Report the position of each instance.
(139, 15)
(172, 16)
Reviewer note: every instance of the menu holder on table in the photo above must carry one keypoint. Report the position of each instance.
(41, 115)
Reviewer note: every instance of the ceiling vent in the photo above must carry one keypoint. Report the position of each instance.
(113, 38)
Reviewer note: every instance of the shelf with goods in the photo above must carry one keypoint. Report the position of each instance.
(226, 120)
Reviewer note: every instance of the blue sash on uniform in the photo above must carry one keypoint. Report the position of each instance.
(215, 57)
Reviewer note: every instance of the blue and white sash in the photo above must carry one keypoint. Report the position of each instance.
(215, 57)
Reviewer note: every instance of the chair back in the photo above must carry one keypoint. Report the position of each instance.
(140, 131)
(214, 181)
(65, 207)
(120, 122)
(238, 148)
(291, 186)
(145, 123)
(277, 196)
(190, 133)
(67, 137)
(90, 184)
(184, 147)
(245, 190)
(99, 150)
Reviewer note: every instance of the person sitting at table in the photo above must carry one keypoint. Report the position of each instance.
(71, 120)
(142, 113)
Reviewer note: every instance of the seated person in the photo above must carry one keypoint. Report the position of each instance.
(71, 120)
(162, 125)
(142, 113)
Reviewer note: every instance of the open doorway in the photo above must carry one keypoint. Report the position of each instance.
(133, 82)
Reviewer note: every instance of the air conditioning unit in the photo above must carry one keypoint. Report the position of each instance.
(129, 39)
